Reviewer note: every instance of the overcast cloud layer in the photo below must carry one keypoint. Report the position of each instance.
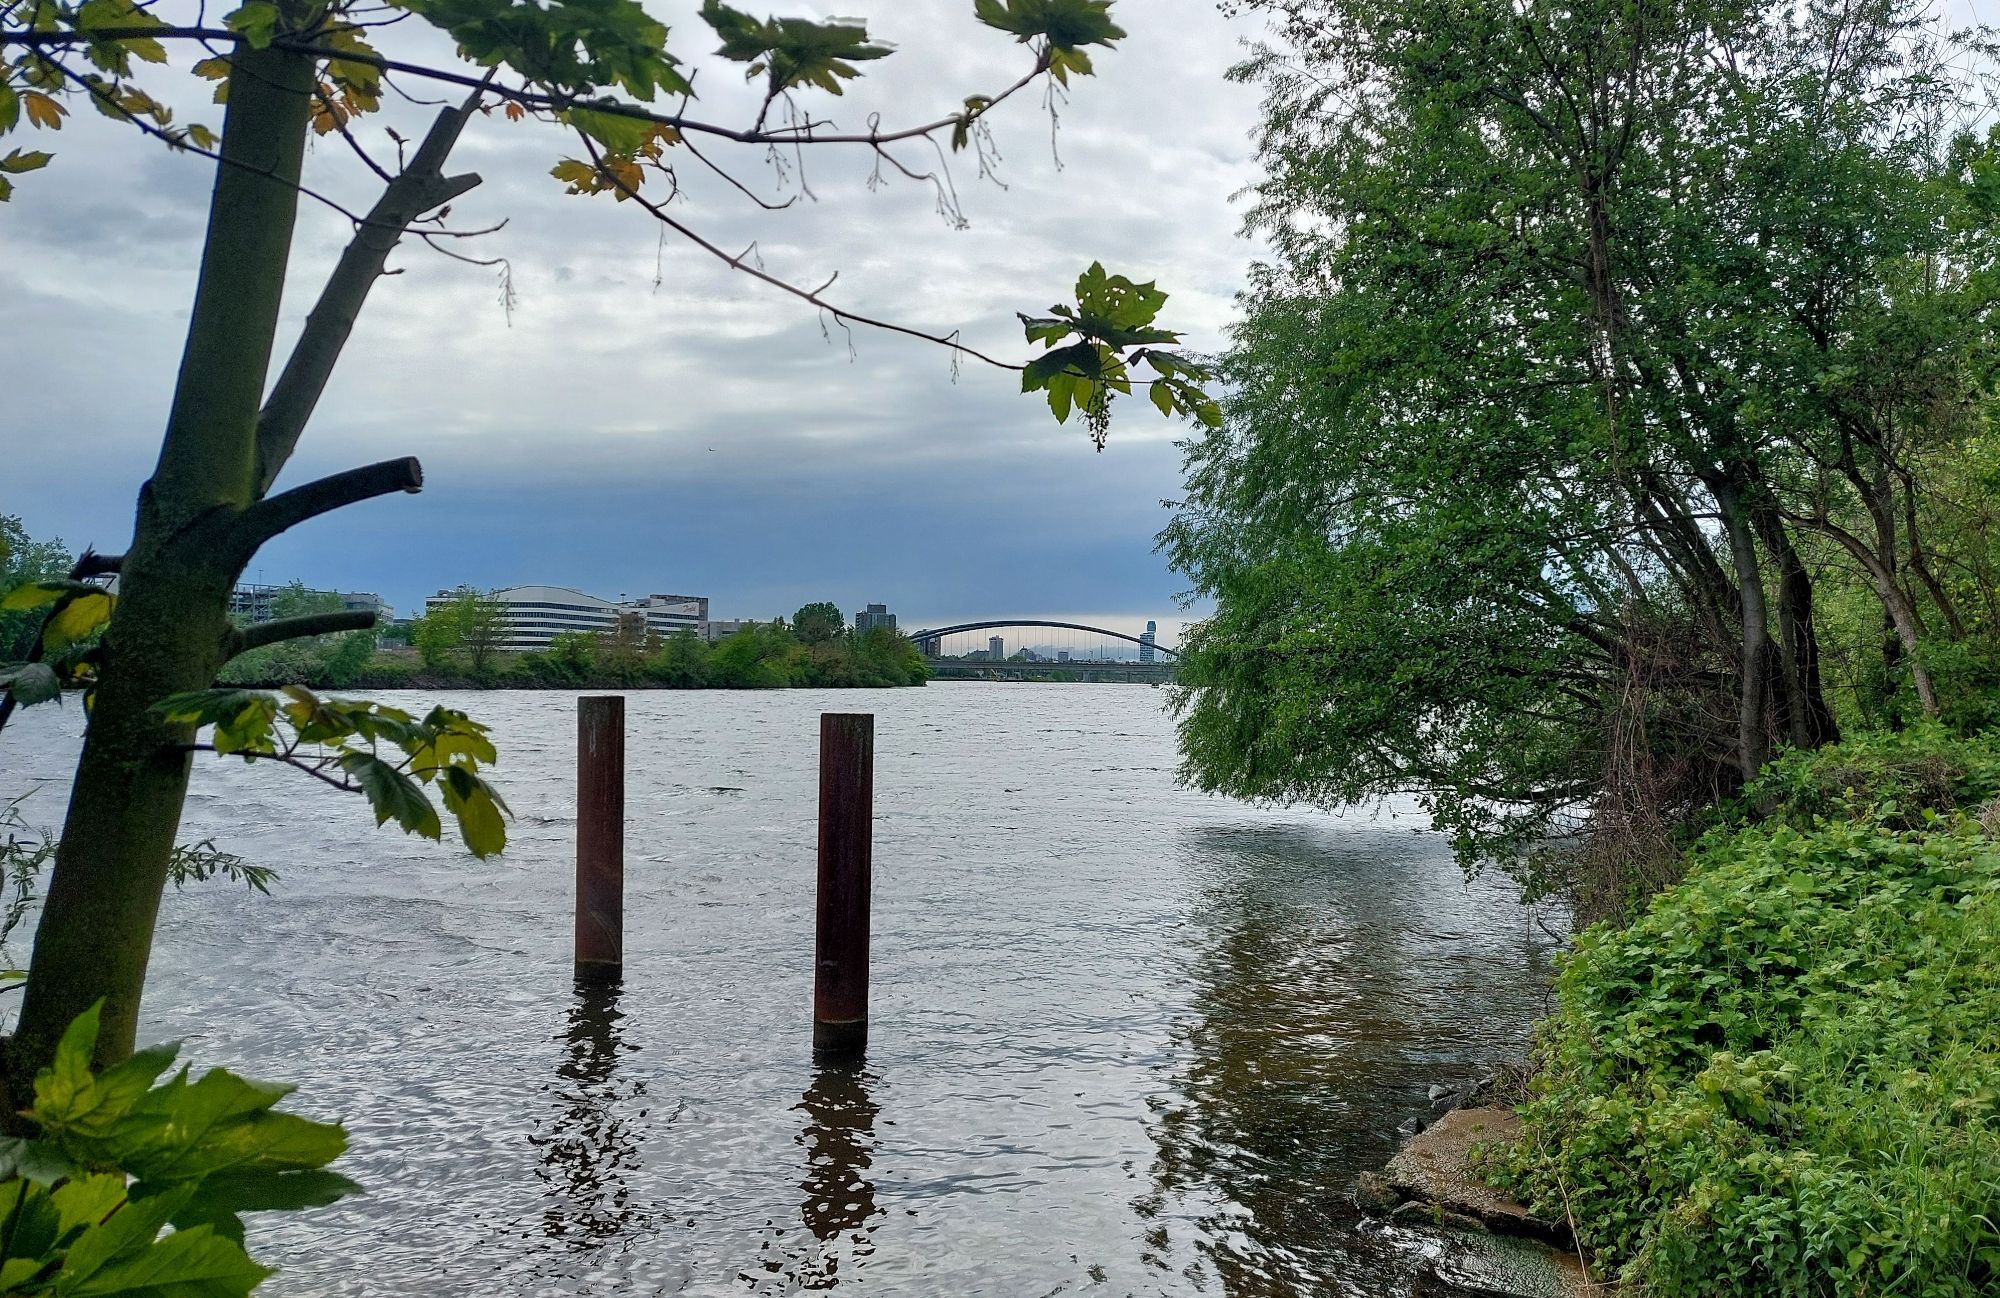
(700, 434)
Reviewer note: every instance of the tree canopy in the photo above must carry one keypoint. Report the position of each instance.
(1599, 342)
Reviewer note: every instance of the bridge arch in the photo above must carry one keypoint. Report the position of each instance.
(938, 633)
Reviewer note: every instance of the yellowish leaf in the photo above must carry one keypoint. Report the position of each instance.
(42, 110)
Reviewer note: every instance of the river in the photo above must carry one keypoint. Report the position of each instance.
(1127, 1039)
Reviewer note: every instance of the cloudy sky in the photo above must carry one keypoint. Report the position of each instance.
(646, 419)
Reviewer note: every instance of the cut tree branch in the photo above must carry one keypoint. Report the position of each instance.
(420, 187)
(267, 518)
(303, 627)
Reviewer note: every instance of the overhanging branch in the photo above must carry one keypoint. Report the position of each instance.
(420, 187)
(302, 627)
(808, 132)
(288, 509)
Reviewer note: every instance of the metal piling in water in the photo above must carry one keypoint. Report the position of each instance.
(600, 838)
(846, 870)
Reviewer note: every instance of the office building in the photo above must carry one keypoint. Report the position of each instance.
(1146, 640)
(996, 649)
(873, 616)
(536, 615)
(254, 602)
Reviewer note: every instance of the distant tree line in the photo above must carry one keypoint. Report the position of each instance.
(458, 643)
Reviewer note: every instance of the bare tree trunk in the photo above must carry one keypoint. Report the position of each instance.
(1753, 745)
(1809, 720)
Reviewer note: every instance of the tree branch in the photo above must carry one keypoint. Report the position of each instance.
(302, 627)
(802, 133)
(288, 509)
(420, 187)
(92, 564)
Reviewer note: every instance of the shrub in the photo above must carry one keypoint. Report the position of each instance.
(1892, 777)
(1782, 1078)
(120, 1156)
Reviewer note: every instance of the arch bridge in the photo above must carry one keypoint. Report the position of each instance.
(927, 639)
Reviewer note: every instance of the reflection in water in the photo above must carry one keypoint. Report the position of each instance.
(839, 1138)
(1328, 984)
(589, 1149)
(839, 1207)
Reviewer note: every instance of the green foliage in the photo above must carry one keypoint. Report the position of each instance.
(1112, 314)
(1782, 1078)
(1060, 28)
(1512, 377)
(336, 660)
(468, 623)
(343, 742)
(818, 623)
(578, 46)
(119, 1156)
(792, 52)
(24, 560)
(53, 622)
(1896, 778)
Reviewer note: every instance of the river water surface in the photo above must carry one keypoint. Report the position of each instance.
(1126, 1039)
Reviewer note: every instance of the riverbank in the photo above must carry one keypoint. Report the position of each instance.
(1782, 1077)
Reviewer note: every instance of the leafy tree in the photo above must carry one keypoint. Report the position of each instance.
(335, 659)
(681, 662)
(1576, 323)
(818, 623)
(603, 73)
(23, 560)
(468, 622)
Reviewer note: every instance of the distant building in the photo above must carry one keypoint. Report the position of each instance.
(1146, 645)
(873, 616)
(1062, 655)
(722, 630)
(252, 602)
(536, 615)
(996, 649)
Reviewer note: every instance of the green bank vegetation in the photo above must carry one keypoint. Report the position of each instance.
(455, 647)
(1783, 1077)
(1610, 463)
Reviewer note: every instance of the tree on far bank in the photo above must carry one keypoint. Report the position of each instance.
(818, 623)
(470, 622)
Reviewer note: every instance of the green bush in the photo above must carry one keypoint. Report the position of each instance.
(120, 1156)
(1782, 1078)
(1894, 777)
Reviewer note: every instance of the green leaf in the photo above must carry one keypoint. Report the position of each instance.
(256, 22)
(38, 594)
(20, 161)
(478, 810)
(84, 614)
(793, 51)
(576, 46)
(393, 794)
(1065, 25)
(31, 683)
(195, 1262)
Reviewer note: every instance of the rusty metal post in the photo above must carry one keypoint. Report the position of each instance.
(600, 838)
(846, 869)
